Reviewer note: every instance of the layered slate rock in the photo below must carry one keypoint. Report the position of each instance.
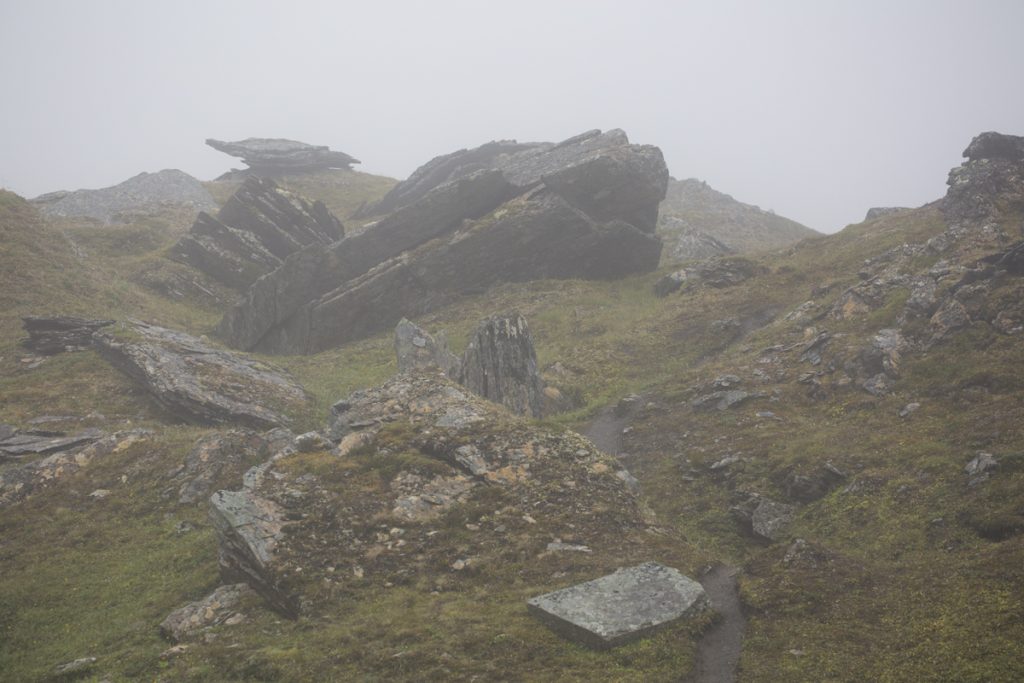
(259, 227)
(57, 334)
(198, 383)
(218, 461)
(621, 607)
(584, 208)
(142, 193)
(500, 364)
(274, 156)
(417, 349)
(20, 444)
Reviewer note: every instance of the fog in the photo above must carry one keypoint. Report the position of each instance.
(817, 110)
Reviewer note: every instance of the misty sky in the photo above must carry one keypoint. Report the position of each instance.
(816, 109)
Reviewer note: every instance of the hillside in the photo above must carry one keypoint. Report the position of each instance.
(697, 221)
(816, 421)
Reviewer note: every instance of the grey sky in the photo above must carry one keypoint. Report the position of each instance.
(815, 109)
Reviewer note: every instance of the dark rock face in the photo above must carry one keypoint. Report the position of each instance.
(260, 226)
(584, 208)
(198, 383)
(52, 335)
(144, 192)
(270, 156)
(417, 349)
(500, 364)
(990, 181)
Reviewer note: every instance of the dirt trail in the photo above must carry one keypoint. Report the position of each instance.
(718, 652)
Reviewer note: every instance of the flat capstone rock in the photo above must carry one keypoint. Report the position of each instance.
(626, 605)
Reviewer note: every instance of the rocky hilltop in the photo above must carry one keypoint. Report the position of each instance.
(139, 194)
(696, 221)
(583, 208)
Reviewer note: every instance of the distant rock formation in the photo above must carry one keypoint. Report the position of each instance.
(275, 156)
(879, 211)
(697, 222)
(584, 208)
(989, 181)
(141, 193)
(258, 227)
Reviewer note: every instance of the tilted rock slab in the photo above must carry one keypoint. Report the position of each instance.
(200, 384)
(620, 607)
(259, 226)
(585, 208)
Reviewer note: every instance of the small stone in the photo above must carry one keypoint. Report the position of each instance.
(99, 494)
(311, 442)
(459, 565)
(909, 409)
(529, 520)
(73, 668)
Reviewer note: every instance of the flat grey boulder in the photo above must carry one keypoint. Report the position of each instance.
(144, 192)
(35, 443)
(278, 155)
(198, 383)
(620, 607)
(771, 520)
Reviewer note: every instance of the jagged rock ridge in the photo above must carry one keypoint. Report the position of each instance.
(144, 192)
(259, 226)
(584, 208)
(696, 221)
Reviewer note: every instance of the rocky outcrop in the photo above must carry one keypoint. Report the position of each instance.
(500, 364)
(57, 334)
(274, 156)
(219, 460)
(200, 384)
(585, 208)
(989, 182)
(299, 536)
(417, 349)
(19, 482)
(259, 226)
(879, 211)
(221, 607)
(696, 221)
(140, 194)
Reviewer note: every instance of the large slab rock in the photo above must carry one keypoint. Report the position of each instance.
(57, 334)
(249, 529)
(141, 193)
(258, 227)
(200, 384)
(500, 364)
(277, 155)
(35, 443)
(584, 208)
(621, 607)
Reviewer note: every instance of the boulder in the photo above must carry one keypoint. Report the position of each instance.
(585, 208)
(35, 443)
(417, 349)
(218, 461)
(990, 182)
(770, 520)
(57, 334)
(220, 607)
(140, 194)
(994, 145)
(274, 156)
(621, 607)
(248, 529)
(200, 384)
(807, 487)
(500, 364)
(879, 211)
(258, 227)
